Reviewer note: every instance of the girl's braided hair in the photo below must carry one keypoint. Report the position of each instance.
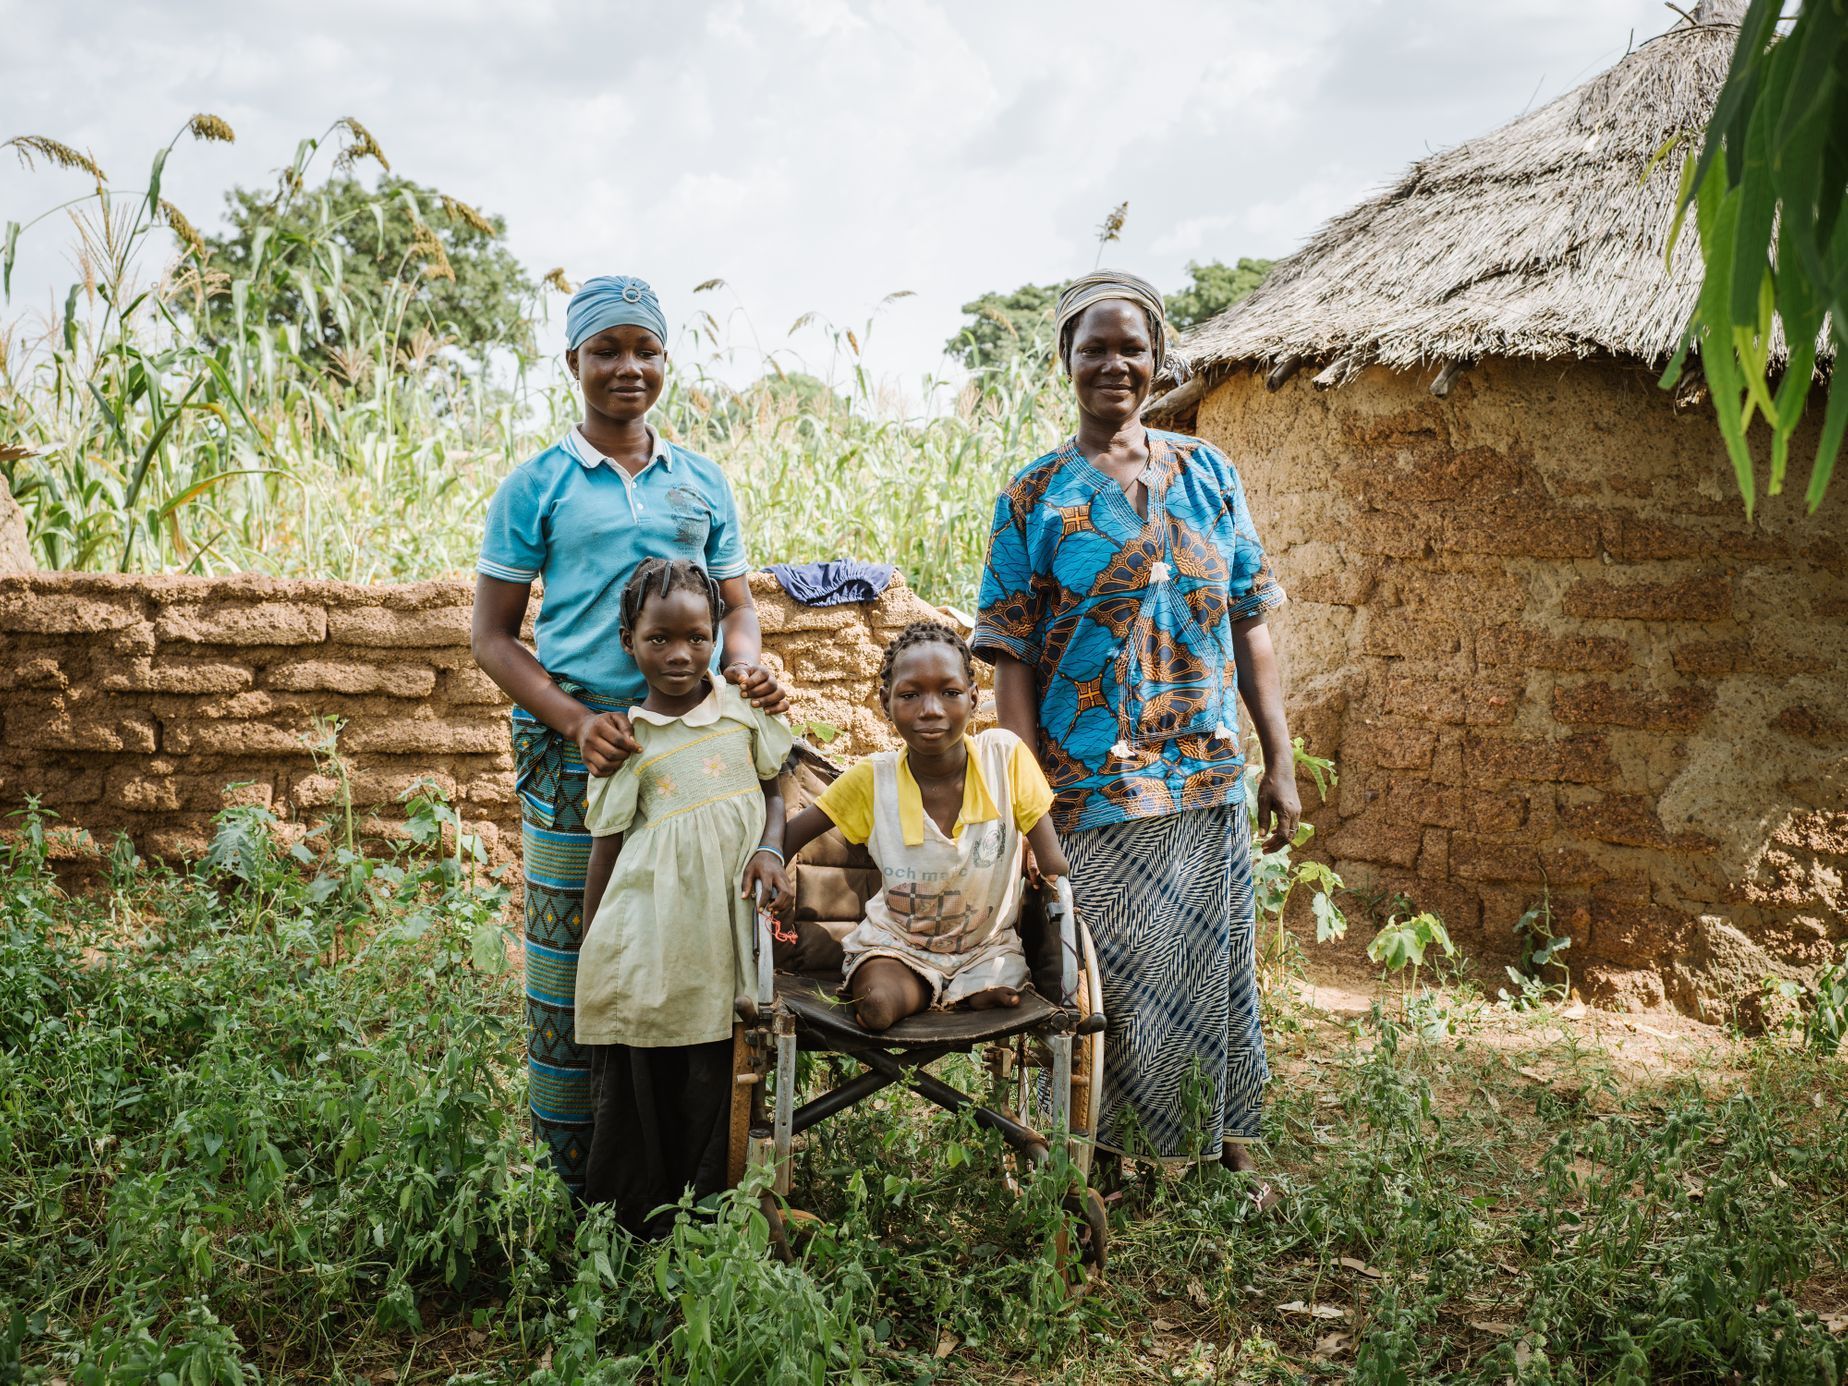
(656, 577)
(922, 633)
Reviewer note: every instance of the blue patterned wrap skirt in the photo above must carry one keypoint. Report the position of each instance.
(554, 858)
(1170, 907)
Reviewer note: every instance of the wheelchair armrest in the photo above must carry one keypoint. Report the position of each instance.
(1056, 895)
(766, 958)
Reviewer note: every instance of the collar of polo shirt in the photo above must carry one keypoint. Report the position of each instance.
(581, 448)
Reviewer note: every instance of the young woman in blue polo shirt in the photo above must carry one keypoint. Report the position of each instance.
(579, 517)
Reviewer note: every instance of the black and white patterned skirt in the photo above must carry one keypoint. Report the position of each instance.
(1169, 905)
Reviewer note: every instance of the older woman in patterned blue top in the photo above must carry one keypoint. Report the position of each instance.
(1122, 606)
(579, 517)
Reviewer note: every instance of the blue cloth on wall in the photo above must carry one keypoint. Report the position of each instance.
(833, 582)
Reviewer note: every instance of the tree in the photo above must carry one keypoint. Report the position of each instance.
(1215, 288)
(442, 255)
(1768, 192)
(999, 324)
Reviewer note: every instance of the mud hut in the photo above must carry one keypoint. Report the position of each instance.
(1554, 661)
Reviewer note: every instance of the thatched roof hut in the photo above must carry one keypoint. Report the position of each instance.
(1528, 617)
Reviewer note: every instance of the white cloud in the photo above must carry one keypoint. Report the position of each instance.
(817, 153)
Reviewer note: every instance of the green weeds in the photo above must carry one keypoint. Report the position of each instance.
(266, 1122)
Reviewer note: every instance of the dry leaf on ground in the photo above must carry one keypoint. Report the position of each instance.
(1333, 1345)
(1361, 1268)
(1317, 1311)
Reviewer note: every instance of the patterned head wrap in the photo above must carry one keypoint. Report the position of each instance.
(1087, 289)
(612, 300)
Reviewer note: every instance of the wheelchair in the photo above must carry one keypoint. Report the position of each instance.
(1045, 1057)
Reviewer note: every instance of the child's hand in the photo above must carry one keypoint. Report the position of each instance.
(766, 871)
(605, 740)
(759, 685)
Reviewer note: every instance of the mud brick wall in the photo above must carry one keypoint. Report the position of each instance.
(129, 704)
(1550, 655)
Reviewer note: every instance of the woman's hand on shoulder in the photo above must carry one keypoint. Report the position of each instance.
(605, 740)
(759, 685)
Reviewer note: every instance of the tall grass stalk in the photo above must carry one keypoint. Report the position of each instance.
(159, 422)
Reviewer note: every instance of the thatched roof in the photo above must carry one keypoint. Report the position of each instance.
(1543, 238)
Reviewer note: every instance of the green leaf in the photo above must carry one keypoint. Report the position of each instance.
(160, 161)
(1330, 923)
(7, 257)
(1834, 423)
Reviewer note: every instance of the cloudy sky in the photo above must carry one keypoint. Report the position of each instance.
(816, 154)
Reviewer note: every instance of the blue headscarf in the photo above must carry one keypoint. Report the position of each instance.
(612, 300)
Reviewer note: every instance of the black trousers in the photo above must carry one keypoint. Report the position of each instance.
(661, 1125)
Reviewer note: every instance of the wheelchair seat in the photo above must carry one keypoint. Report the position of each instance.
(819, 1006)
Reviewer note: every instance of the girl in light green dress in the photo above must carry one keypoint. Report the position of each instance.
(668, 949)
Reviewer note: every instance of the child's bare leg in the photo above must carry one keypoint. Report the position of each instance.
(884, 992)
(992, 998)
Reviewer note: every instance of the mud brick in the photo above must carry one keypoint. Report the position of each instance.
(1415, 467)
(1811, 724)
(380, 626)
(1692, 599)
(1478, 702)
(1629, 820)
(180, 839)
(1574, 760)
(35, 671)
(351, 676)
(24, 609)
(1472, 597)
(1632, 539)
(438, 736)
(1713, 657)
(1388, 748)
(1526, 647)
(1399, 637)
(783, 617)
(470, 685)
(145, 793)
(1523, 530)
(1434, 854)
(1349, 584)
(1503, 859)
(243, 623)
(71, 723)
(490, 791)
(1456, 806)
(175, 675)
(235, 738)
(367, 787)
(1635, 935)
(1393, 534)
(1601, 704)
(1380, 837)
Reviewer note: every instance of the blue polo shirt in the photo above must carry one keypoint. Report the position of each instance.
(575, 520)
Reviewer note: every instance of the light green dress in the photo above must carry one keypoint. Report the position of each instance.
(671, 946)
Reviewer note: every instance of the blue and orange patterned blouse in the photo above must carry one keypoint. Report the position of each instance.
(1127, 624)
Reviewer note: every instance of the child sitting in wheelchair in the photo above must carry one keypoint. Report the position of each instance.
(948, 821)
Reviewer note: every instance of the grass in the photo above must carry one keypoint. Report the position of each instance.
(266, 1123)
(161, 422)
